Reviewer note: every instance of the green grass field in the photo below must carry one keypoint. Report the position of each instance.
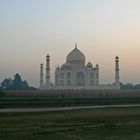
(88, 124)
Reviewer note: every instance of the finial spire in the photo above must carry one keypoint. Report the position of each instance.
(75, 45)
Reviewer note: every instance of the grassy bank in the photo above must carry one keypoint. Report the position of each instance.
(89, 124)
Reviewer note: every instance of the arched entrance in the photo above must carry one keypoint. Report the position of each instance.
(80, 79)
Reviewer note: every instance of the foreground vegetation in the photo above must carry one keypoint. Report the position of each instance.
(34, 102)
(89, 124)
(61, 98)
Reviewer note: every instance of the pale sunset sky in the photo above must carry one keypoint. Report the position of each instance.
(29, 29)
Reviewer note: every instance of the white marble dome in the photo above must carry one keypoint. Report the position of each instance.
(76, 57)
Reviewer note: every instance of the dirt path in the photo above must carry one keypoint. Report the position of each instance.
(61, 108)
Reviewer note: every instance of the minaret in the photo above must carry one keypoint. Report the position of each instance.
(97, 74)
(117, 75)
(47, 71)
(41, 76)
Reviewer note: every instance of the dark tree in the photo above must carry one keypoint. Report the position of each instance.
(25, 85)
(17, 82)
(7, 84)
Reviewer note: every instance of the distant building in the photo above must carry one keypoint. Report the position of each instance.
(75, 74)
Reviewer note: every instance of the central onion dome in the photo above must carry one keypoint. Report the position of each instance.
(76, 57)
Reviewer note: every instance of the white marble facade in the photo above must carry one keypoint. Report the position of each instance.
(75, 73)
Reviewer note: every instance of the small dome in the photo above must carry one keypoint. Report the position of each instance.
(97, 66)
(48, 56)
(89, 64)
(76, 57)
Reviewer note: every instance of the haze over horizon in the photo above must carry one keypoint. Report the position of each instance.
(31, 29)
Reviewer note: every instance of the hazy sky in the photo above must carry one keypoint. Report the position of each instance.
(29, 29)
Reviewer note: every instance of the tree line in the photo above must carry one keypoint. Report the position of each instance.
(15, 84)
(18, 84)
(128, 86)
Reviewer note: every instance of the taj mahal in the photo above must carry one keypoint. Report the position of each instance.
(76, 74)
